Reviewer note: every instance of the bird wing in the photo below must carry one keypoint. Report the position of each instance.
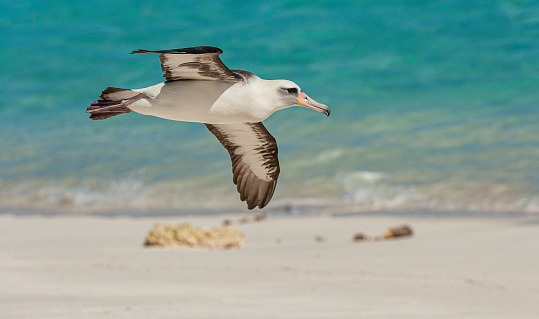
(255, 165)
(196, 63)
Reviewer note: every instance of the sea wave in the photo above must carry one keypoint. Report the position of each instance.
(360, 191)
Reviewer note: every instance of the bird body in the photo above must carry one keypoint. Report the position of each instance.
(217, 102)
(232, 104)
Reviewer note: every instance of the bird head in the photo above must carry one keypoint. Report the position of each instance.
(287, 93)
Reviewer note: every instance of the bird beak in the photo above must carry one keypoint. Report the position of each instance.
(305, 100)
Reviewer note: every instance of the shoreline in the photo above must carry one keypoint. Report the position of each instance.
(87, 267)
(285, 211)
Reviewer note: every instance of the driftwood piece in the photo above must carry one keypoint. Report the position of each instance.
(391, 233)
(400, 231)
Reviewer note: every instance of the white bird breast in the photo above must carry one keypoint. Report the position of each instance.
(193, 101)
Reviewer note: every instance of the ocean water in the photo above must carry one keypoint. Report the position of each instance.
(435, 105)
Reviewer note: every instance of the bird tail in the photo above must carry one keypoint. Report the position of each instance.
(112, 102)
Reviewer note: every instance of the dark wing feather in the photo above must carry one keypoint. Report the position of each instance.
(255, 165)
(196, 63)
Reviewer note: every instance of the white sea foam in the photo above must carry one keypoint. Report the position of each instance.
(361, 191)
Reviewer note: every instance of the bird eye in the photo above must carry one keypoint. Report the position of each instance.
(292, 90)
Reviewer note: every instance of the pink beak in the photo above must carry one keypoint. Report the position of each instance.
(306, 101)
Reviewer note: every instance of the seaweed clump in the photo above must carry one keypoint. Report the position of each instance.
(185, 235)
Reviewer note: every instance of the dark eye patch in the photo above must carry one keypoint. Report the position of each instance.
(292, 90)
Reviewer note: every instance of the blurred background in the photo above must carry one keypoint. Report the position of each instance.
(434, 105)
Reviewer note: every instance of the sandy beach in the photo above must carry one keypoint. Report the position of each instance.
(97, 267)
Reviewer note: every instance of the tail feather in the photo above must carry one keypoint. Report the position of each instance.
(113, 101)
(103, 109)
(117, 94)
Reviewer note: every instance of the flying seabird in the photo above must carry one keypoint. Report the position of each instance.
(232, 104)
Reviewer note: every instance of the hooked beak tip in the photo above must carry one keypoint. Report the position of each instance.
(304, 100)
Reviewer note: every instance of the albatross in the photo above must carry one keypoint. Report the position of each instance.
(231, 103)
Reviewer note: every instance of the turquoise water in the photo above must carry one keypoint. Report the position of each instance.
(435, 104)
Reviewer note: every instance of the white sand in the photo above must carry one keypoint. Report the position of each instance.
(91, 267)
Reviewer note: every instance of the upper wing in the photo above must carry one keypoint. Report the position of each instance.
(196, 63)
(255, 165)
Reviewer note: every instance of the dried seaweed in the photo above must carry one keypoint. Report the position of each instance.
(185, 235)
